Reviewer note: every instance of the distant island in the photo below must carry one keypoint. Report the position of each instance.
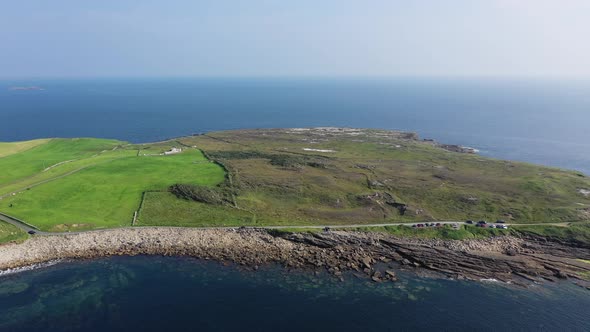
(26, 88)
(335, 198)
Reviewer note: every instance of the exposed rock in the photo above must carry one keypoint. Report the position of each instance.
(507, 258)
(470, 199)
(390, 275)
(367, 261)
(510, 252)
(456, 148)
(377, 277)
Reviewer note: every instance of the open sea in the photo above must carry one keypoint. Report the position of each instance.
(546, 122)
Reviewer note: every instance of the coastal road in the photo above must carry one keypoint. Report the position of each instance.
(20, 224)
(27, 227)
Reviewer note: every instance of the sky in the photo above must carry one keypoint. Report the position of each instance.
(153, 38)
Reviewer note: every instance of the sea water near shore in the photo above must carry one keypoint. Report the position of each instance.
(540, 121)
(179, 294)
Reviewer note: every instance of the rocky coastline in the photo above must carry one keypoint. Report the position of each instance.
(517, 260)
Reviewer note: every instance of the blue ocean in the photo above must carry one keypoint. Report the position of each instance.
(182, 294)
(544, 121)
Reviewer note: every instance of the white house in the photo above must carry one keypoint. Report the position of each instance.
(173, 151)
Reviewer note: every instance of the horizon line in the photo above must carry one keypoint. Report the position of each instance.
(306, 77)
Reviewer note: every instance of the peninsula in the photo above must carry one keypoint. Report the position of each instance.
(336, 198)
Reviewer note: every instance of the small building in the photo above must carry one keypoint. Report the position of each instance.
(173, 151)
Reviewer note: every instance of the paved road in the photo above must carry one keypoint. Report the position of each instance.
(19, 223)
(27, 227)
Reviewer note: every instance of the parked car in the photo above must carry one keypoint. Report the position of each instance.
(502, 226)
(437, 224)
(32, 232)
(482, 222)
(414, 225)
(469, 222)
(492, 226)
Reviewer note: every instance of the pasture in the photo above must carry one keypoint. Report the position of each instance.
(106, 191)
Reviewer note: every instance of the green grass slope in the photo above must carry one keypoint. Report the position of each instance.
(8, 148)
(350, 176)
(107, 191)
(281, 177)
(165, 209)
(10, 233)
(36, 159)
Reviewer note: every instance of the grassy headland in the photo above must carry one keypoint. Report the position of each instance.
(348, 176)
(280, 177)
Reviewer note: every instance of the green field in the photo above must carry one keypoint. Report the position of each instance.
(164, 209)
(35, 160)
(16, 147)
(9, 233)
(106, 191)
(279, 177)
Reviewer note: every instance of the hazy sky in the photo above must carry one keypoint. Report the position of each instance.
(73, 38)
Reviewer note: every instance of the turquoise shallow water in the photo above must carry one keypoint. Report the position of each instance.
(182, 294)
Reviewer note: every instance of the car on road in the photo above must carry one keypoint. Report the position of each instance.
(32, 232)
(470, 222)
(500, 221)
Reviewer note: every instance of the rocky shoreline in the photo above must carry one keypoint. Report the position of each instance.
(375, 255)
